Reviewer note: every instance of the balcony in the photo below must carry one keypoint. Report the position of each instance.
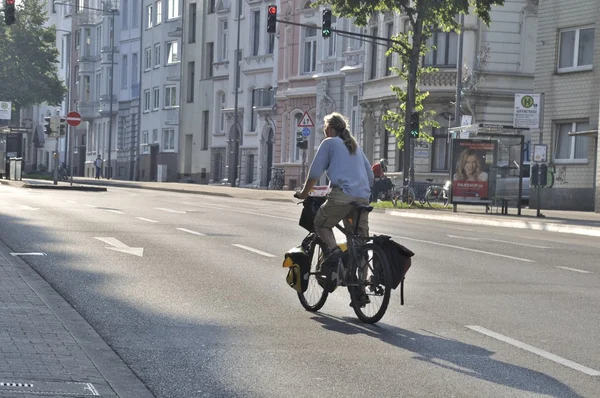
(331, 66)
(175, 28)
(88, 110)
(258, 64)
(441, 80)
(174, 73)
(87, 58)
(104, 105)
(354, 60)
(172, 117)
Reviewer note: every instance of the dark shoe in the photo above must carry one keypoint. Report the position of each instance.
(361, 301)
(333, 256)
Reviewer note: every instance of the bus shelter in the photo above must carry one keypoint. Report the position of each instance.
(488, 166)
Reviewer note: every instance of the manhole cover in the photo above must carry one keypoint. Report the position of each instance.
(62, 388)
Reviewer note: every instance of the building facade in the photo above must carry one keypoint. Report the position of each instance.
(160, 89)
(568, 53)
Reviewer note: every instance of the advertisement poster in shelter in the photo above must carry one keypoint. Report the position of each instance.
(473, 162)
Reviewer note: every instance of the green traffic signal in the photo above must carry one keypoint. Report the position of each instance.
(414, 124)
(326, 28)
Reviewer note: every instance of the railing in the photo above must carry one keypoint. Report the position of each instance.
(354, 58)
(173, 116)
(439, 79)
(174, 73)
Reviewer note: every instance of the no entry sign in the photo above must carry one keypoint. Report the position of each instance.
(73, 119)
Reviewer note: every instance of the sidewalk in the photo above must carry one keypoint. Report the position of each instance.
(582, 223)
(46, 348)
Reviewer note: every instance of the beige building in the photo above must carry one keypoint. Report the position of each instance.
(568, 55)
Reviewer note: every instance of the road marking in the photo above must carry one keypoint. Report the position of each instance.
(25, 207)
(191, 232)
(241, 211)
(250, 249)
(119, 246)
(574, 269)
(169, 210)
(28, 254)
(146, 219)
(115, 211)
(467, 249)
(91, 206)
(72, 201)
(537, 351)
(498, 240)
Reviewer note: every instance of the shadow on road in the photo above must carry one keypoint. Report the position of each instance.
(454, 355)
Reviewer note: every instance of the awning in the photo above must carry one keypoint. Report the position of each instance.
(584, 133)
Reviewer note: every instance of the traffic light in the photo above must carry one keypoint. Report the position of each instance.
(301, 141)
(271, 18)
(47, 125)
(414, 124)
(9, 12)
(326, 29)
(62, 126)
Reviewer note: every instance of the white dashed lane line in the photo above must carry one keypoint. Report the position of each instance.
(574, 270)
(146, 219)
(250, 249)
(115, 211)
(169, 210)
(189, 231)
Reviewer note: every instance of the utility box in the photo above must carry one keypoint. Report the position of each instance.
(539, 175)
(15, 168)
(161, 173)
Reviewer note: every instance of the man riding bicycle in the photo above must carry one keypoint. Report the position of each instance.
(350, 177)
(382, 183)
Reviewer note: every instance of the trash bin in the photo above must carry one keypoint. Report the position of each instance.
(15, 168)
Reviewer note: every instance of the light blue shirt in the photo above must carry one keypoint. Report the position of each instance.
(352, 173)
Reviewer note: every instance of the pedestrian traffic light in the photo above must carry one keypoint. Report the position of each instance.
(414, 124)
(301, 141)
(326, 29)
(62, 126)
(9, 12)
(271, 18)
(47, 128)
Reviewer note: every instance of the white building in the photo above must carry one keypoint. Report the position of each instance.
(162, 29)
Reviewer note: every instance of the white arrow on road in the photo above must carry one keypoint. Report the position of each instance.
(119, 246)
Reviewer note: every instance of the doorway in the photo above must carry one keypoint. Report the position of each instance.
(153, 161)
(269, 164)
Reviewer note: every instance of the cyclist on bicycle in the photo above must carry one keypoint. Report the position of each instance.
(350, 177)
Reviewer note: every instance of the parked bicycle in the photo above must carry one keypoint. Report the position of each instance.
(430, 194)
(63, 172)
(364, 267)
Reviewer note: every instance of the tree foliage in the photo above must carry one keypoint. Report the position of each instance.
(424, 18)
(28, 70)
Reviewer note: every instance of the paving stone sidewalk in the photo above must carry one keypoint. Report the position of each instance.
(47, 349)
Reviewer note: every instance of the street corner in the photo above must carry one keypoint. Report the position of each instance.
(13, 183)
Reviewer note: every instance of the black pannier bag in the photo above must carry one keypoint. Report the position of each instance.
(311, 205)
(399, 258)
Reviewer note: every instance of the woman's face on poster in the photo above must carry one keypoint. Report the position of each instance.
(471, 165)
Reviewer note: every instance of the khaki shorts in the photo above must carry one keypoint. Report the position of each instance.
(338, 208)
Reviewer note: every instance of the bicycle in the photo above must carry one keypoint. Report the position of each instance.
(433, 193)
(363, 268)
(63, 172)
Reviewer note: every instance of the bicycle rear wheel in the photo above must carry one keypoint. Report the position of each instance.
(371, 298)
(403, 195)
(315, 295)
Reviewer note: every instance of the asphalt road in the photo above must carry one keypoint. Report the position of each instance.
(205, 311)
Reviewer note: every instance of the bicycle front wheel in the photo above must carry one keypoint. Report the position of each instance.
(315, 295)
(403, 195)
(370, 299)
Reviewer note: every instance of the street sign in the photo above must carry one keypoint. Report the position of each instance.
(73, 119)
(527, 111)
(540, 152)
(306, 121)
(305, 132)
(5, 108)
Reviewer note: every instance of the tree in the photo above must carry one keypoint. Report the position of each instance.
(424, 18)
(28, 72)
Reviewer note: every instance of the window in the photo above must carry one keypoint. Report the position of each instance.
(87, 42)
(238, 66)
(373, 68)
(576, 49)
(255, 94)
(223, 38)
(354, 115)
(172, 52)
(256, 32)
(191, 81)
(170, 96)
(441, 149)
(135, 16)
(144, 142)
(157, 55)
(331, 45)
(158, 12)
(168, 139)
(211, 6)
(146, 100)
(98, 83)
(388, 59)
(205, 121)
(149, 22)
(271, 45)
(134, 68)
(445, 51)
(310, 50)
(98, 40)
(124, 72)
(210, 49)
(86, 89)
(571, 148)
(173, 11)
(124, 14)
(220, 115)
(148, 59)
(192, 28)
(156, 97)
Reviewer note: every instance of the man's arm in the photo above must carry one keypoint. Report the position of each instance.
(317, 168)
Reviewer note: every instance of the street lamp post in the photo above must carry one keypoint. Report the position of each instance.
(113, 11)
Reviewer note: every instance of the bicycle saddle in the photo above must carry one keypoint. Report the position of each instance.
(429, 179)
(362, 208)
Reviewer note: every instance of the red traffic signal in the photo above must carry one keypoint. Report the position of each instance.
(271, 19)
(10, 2)
(9, 12)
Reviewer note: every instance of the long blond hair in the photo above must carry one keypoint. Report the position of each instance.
(340, 125)
(461, 174)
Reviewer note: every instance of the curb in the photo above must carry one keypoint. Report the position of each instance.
(116, 372)
(531, 225)
(66, 187)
